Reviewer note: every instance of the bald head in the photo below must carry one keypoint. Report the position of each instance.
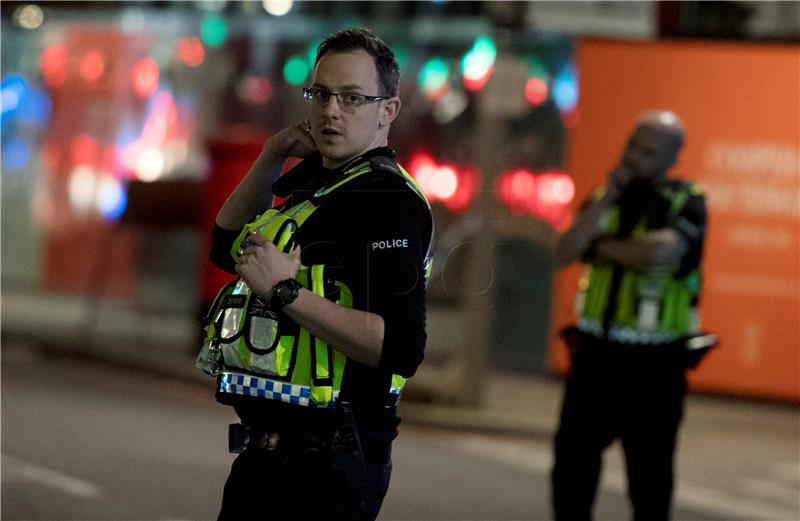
(665, 123)
(654, 145)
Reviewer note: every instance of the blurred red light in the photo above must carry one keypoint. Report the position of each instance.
(543, 195)
(536, 91)
(437, 94)
(54, 65)
(92, 66)
(190, 50)
(145, 77)
(84, 150)
(475, 84)
(255, 90)
(517, 189)
(446, 183)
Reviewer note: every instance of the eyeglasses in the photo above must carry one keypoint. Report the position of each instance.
(348, 101)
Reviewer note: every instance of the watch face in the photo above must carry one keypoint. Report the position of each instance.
(285, 292)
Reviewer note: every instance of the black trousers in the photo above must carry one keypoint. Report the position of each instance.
(635, 394)
(298, 484)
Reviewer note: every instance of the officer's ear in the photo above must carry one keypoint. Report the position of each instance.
(389, 110)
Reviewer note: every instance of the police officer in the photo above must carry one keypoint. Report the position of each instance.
(641, 239)
(327, 317)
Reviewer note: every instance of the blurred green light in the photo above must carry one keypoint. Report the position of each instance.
(311, 54)
(537, 69)
(213, 31)
(433, 75)
(478, 61)
(296, 70)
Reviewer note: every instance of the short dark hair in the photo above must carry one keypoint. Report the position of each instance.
(363, 38)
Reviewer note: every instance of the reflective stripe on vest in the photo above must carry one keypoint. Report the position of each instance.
(266, 357)
(652, 307)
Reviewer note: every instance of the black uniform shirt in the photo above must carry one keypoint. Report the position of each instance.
(373, 233)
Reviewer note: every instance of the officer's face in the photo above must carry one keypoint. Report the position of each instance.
(650, 153)
(342, 133)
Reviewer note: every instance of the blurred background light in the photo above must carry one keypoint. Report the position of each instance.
(311, 54)
(536, 91)
(150, 165)
(132, 19)
(555, 188)
(516, 190)
(452, 186)
(544, 195)
(16, 154)
(144, 77)
(450, 106)
(111, 198)
(213, 31)
(84, 150)
(190, 51)
(91, 66)
(296, 70)
(213, 6)
(478, 63)
(254, 90)
(9, 98)
(277, 7)
(36, 107)
(54, 65)
(433, 78)
(82, 187)
(12, 92)
(565, 88)
(23, 102)
(401, 54)
(28, 16)
(537, 69)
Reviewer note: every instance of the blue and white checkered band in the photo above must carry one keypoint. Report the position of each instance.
(259, 387)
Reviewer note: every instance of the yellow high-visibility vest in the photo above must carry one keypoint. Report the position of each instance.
(266, 355)
(652, 305)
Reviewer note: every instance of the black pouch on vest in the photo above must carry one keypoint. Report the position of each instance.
(238, 437)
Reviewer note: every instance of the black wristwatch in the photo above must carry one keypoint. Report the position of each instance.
(284, 293)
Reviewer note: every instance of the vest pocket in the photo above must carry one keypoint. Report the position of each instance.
(261, 326)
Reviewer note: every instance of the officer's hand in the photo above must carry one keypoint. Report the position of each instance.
(293, 141)
(618, 181)
(262, 265)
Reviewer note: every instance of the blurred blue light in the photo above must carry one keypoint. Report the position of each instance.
(127, 133)
(10, 100)
(12, 93)
(565, 88)
(16, 154)
(36, 107)
(113, 201)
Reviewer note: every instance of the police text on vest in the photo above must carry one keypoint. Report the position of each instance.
(391, 243)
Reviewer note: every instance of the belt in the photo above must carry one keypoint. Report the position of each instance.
(307, 442)
(380, 401)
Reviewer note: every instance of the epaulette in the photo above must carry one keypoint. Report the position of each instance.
(384, 164)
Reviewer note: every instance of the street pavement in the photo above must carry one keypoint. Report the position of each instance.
(83, 438)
